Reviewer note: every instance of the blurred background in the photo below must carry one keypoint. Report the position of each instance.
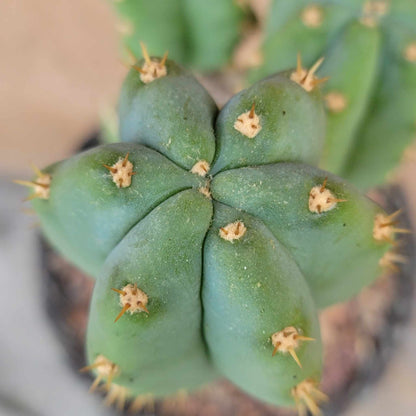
(59, 66)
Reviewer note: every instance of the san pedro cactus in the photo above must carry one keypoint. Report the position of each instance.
(212, 237)
(199, 33)
(370, 57)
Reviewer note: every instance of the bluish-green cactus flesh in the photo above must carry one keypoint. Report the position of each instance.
(87, 215)
(336, 250)
(292, 125)
(252, 288)
(166, 250)
(212, 303)
(161, 351)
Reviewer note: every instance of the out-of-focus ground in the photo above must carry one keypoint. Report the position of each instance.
(58, 66)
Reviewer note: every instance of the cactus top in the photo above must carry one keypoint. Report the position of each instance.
(221, 211)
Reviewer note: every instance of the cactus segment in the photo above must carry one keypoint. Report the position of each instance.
(373, 38)
(391, 123)
(196, 32)
(283, 134)
(288, 32)
(173, 115)
(159, 24)
(213, 30)
(322, 244)
(358, 46)
(251, 289)
(86, 214)
(162, 351)
(401, 13)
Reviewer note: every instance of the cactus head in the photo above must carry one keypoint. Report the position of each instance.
(194, 211)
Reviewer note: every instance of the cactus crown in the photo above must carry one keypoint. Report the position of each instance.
(224, 211)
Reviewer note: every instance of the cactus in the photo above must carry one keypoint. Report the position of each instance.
(222, 213)
(375, 38)
(370, 57)
(198, 33)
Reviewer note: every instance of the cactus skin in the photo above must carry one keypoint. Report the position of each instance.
(255, 284)
(159, 24)
(197, 33)
(165, 262)
(174, 116)
(83, 198)
(283, 135)
(343, 233)
(214, 28)
(366, 138)
(258, 254)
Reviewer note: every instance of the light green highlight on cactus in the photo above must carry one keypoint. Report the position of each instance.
(160, 24)
(323, 245)
(173, 115)
(87, 215)
(357, 47)
(391, 122)
(198, 33)
(213, 31)
(252, 289)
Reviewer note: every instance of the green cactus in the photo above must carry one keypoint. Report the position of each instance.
(370, 57)
(198, 33)
(373, 38)
(219, 214)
